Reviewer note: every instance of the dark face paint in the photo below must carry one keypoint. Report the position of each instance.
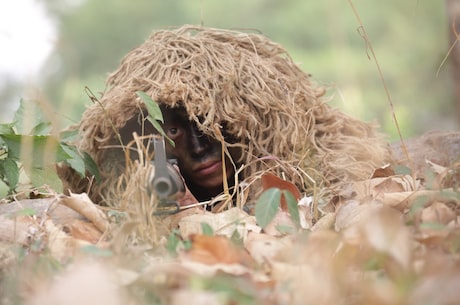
(199, 157)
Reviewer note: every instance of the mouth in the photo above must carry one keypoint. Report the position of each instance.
(208, 167)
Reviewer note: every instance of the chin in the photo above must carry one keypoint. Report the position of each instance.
(211, 184)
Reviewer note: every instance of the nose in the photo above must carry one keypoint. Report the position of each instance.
(199, 143)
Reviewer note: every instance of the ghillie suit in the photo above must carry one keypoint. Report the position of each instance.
(248, 84)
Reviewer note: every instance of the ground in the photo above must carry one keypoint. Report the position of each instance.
(391, 239)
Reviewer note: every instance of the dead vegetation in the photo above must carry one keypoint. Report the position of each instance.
(368, 232)
(386, 240)
(239, 83)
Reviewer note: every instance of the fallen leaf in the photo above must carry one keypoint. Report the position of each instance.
(305, 212)
(217, 249)
(15, 230)
(280, 225)
(83, 230)
(352, 213)
(438, 169)
(224, 223)
(438, 212)
(264, 247)
(83, 205)
(271, 181)
(376, 226)
(61, 245)
(325, 223)
(384, 171)
(378, 188)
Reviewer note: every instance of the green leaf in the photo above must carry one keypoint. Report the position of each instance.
(207, 229)
(27, 114)
(68, 135)
(91, 166)
(96, 251)
(4, 189)
(13, 142)
(42, 128)
(172, 242)
(45, 176)
(433, 226)
(9, 171)
(285, 229)
(154, 114)
(267, 206)
(152, 107)
(24, 212)
(80, 162)
(418, 204)
(236, 238)
(43, 149)
(76, 161)
(7, 128)
(402, 170)
(292, 207)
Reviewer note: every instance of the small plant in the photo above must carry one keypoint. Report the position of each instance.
(268, 204)
(36, 151)
(155, 117)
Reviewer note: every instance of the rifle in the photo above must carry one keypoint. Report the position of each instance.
(166, 182)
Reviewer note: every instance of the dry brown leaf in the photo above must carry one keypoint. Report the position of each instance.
(15, 230)
(83, 230)
(400, 201)
(437, 169)
(307, 283)
(384, 171)
(60, 214)
(441, 287)
(217, 249)
(210, 270)
(325, 223)
(433, 222)
(438, 212)
(377, 188)
(305, 212)
(404, 200)
(172, 221)
(61, 246)
(263, 247)
(352, 213)
(445, 176)
(224, 223)
(378, 227)
(83, 205)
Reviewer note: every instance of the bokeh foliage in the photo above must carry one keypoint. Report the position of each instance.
(410, 39)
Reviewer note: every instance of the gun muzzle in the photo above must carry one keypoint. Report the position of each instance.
(165, 181)
(168, 184)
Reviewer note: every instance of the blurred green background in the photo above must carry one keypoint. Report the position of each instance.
(410, 39)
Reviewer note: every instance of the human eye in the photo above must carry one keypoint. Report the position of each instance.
(174, 132)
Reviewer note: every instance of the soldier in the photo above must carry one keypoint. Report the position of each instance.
(228, 90)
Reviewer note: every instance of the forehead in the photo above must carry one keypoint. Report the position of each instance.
(174, 114)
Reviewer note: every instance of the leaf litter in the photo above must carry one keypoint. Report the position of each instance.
(388, 240)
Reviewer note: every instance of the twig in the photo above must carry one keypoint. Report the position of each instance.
(95, 100)
(363, 33)
(457, 39)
